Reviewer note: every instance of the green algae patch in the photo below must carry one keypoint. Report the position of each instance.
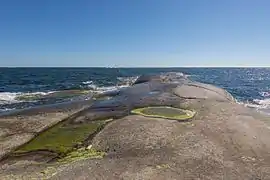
(62, 137)
(81, 154)
(165, 112)
(73, 156)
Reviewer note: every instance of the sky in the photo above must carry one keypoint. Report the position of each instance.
(134, 33)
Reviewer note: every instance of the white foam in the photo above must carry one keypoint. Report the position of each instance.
(87, 82)
(262, 103)
(123, 82)
(11, 97)
(104, 89)
(265, 94)
(39, 93)
(8, 97)
(127, 80)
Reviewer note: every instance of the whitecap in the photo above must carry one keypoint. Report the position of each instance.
(8, 97)
(14, 97)
(127, 81)
(122, 82)
(87, 82)
(265, 94)
(105, 89)
(262, 103)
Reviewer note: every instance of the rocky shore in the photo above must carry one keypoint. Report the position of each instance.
(164, 126)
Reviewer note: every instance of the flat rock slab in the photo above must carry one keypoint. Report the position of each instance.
(217, 145)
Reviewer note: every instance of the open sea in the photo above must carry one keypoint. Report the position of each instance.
(29, 87)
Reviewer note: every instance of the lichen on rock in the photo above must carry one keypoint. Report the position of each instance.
(82, 153)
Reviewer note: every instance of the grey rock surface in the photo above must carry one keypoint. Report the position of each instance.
(225, 140)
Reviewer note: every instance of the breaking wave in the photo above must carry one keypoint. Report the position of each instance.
(261, 105)
(122, 82)
(15, 97)
(15, 100)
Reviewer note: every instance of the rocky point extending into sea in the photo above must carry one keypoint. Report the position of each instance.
(162, 127)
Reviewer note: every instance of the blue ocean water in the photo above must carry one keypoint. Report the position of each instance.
(250, 86)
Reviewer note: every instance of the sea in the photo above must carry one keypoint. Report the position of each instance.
(29, 87)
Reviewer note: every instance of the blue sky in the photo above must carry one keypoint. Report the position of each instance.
(135, 33)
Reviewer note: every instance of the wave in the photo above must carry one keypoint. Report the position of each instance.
(96, 89)
(87, 82)
(127, 80)
(8, 98)
(260, 105)
(17, 97)
(265, 94)
(122, 82)
(89, 86)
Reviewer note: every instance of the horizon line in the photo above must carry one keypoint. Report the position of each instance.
(111, 67)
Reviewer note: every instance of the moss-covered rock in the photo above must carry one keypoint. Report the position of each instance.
(80, 154)
(165, 112)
